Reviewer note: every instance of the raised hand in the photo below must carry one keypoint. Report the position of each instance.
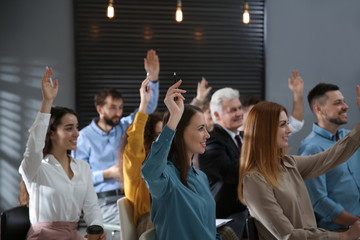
(49, 92)
(152, 65)
(175, 107)
(296, 84)
(145, 94)
(202, 90)
(358, 95)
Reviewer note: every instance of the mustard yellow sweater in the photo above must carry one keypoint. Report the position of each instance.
(133, 158)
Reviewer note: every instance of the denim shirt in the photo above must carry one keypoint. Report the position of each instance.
(337, 190)
(100, 149)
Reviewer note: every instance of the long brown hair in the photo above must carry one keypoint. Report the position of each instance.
(57, 113)
(178, 147)
(150, 134)
(260, 153)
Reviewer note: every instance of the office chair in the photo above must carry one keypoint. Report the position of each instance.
(15, 223)
(126, 211)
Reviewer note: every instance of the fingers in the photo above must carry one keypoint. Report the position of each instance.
(174, 91)
(145, 82)
(295, 74)
(56, 83)
(176, 85)
(151, 55)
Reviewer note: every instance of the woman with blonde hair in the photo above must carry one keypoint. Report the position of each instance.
(271, 183)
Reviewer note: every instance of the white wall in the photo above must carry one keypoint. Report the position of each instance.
(322, 40)
(33, 34)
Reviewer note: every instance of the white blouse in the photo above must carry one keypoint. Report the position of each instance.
(53, 196)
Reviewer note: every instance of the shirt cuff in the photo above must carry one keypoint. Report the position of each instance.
(295, 125)
(98, 176)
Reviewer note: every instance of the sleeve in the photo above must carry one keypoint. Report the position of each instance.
(295, 125)
(154, 98)
(153, 169)
(325, 208)
(92, 213)
(83, 152)
(321, 163)
(134, 155)
(263, 206)
(34, 148)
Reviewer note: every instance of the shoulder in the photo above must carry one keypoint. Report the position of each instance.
(218, 135)
(310, 145)
(82, 164)
(88, 129)
(254, 177)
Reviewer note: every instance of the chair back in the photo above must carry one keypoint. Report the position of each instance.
(251, 229)
(148, 235)
(126, 211)
(15, 223)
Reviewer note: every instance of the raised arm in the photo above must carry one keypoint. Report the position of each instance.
(145, 94)
(153, 169)
(134, 153)
(175, 107)
(35, 144)
(152, 65)
(296, 85)
(49, 92)
(201, 93)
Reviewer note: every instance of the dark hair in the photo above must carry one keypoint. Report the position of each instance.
(57, 113)
(178, 148)
(248, 100)
(318, 93)
(149, 133)
(100, 97)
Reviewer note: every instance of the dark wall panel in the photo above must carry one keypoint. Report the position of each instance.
(211, 41)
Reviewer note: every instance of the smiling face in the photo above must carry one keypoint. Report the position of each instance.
(231, 116)
(66, 133)
(334, 111)
(283, 131)
(195, 135)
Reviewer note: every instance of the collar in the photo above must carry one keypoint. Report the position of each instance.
(286, 163)
(49, 158)
(98, 130)
(232, 134)
(326, 134)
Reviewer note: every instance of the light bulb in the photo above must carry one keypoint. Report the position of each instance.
(178, 14)
(110, 10)
(246, 15)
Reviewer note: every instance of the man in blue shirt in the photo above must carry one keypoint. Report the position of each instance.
(98, 143)
(335, 196)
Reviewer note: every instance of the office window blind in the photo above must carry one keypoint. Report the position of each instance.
(210, 42)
